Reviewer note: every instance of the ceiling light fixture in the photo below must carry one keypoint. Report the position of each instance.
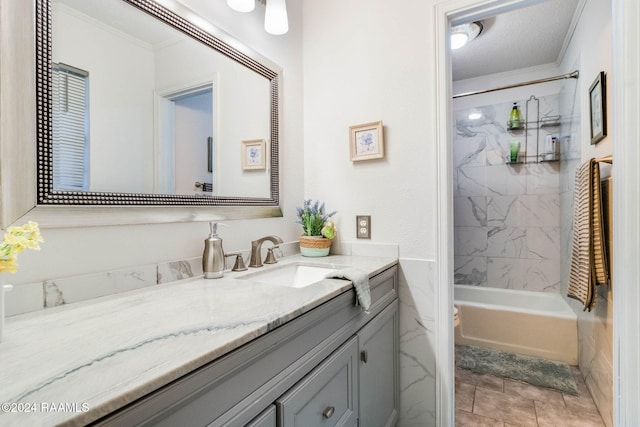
(463, 34)
(275, 17)
(276, 20)
(242, 5)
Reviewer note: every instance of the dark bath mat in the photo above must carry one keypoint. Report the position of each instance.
(531, 370)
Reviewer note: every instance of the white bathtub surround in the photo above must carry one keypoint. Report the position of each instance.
(418, 330)
(143, 339)
(520, 322)
(507, 217)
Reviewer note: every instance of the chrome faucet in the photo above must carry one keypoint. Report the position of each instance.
(256, 246)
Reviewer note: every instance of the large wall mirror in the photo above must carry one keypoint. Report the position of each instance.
(137, 106)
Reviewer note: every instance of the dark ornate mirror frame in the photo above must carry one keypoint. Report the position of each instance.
(46, 195)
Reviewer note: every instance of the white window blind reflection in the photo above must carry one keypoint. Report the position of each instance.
(70, 87)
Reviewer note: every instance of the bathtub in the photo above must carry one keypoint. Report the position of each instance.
(522, 322)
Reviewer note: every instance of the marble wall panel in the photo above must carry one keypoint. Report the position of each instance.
(509, 242)
(81, 288)
(505, 180)
(523, 274)
(505, 273)
(512, 238)
(470, 211)
(543, 178)
(472, 152)
(527, 210)
(470, 240)
(418, 328)
(470, 270)
(179, 270)
(543, 243)
(470, 181)
(54, 292)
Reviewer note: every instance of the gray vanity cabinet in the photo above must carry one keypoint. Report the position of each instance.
(326, 397)
(265, 419)
(332, 366)
(379, 380)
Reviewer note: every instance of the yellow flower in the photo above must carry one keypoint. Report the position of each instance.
(16, 240)
(9, 264)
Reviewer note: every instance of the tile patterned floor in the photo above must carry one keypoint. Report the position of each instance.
(487, 400)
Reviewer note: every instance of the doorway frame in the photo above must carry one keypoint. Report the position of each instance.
(164, 104)
(626, 204)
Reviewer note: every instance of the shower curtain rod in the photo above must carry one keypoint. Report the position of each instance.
(573, 75)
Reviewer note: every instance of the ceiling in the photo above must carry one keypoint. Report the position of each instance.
(518, 39)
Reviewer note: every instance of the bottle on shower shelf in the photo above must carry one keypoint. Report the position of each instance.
(515, 119)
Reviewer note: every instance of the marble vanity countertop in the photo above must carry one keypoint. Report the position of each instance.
(76, 363)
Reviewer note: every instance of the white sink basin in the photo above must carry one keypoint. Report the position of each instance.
(294, 275)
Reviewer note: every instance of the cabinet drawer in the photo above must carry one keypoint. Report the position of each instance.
(327, 396)
(265, 419)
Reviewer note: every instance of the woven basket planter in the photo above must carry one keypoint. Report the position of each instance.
(314, 246)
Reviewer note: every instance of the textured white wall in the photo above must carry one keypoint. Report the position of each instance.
(366, 61)
(369, 60)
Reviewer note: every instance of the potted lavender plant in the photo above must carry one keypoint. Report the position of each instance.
(318, 231)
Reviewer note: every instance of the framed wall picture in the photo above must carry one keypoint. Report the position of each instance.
(598, 109)
(254, 154)
(366, 141)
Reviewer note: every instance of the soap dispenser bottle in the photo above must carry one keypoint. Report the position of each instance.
(514, 118)
(213, 261)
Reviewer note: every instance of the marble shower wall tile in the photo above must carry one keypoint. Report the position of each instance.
(543, 243)
(470, 211)
(508, 242)
(503, 180)
(470, 270)
(512, 238)
(470, 240)
(524, 274)
(524, 210)
(543, 178)
(470, 181)
(472, 152)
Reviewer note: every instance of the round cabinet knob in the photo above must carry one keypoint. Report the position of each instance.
(328, 412)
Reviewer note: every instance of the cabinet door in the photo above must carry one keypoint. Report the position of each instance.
(265, 419)
(379, 392)
(327, 396)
